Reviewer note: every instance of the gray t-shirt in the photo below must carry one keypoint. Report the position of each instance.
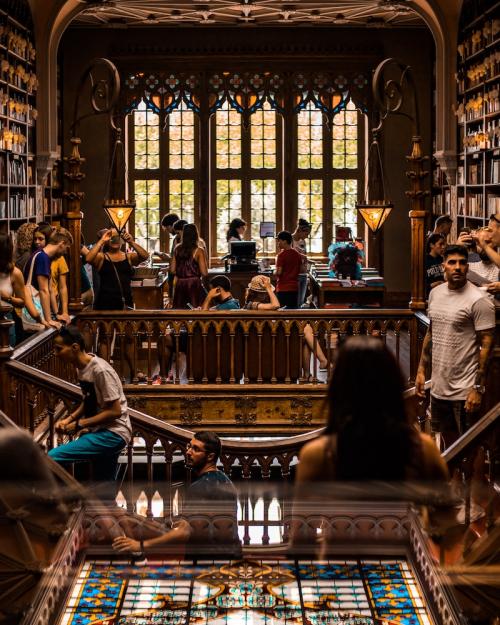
(100, 384)
(456, 316)
(488, 271)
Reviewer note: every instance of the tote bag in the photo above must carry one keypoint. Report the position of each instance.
(30, 324)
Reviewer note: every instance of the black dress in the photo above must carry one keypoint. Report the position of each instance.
(114, 295)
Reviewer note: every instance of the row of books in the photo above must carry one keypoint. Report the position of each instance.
(17, 207)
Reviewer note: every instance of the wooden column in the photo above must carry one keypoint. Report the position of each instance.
(73, 221)
(417, 195)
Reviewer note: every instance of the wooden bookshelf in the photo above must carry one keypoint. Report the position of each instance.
(18, 84)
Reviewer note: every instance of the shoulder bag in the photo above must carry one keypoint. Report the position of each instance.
(30, 324)
(125, 306)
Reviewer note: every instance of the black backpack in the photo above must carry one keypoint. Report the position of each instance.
(346, 261)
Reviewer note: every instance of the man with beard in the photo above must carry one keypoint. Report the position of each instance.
(456, 347)
(209, 521)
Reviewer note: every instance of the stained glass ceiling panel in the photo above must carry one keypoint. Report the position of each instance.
(247, 592)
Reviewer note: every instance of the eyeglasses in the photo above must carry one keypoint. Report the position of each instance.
(195, 448)
(494, 218)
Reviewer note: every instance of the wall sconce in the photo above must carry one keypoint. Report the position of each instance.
(374, 212)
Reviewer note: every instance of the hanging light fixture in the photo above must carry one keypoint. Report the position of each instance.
(374, 211)
(118, 210)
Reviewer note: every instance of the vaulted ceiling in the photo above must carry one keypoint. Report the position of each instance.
(345, 13)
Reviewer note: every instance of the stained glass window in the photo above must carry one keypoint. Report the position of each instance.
(228, 138)
(146, 139)
(228, 201)
(181, 198)
(310, 195)
(249, 592)
(345, 138)
(181, 138)
(328, 174)
(310, 138)
(344, 197)
(263, 138)
(147, 213)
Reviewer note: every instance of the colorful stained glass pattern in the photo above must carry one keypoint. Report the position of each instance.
(147, 213)
(310, 138)
(181, 198)
(345, 138)
(344, 197)
(228, 202)
(263, 138)
(227, 138)
(310, 202)
(146, 138)
(247, 592)
(181, 138)
(263, 206)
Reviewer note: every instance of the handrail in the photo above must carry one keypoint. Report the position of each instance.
(469, 438)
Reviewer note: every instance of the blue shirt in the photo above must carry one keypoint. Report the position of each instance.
(41, 267)
(228, 304)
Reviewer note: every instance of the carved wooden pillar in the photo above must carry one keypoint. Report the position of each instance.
(73, 220)
(417, 214)
(5, 354)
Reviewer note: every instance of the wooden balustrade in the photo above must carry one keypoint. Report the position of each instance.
(242, 346)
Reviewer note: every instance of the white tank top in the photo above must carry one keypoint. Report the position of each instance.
(6, 284)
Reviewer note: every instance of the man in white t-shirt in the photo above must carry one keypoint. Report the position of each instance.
(456, 347)
(103, 413)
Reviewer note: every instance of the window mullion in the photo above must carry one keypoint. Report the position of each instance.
(327, 185)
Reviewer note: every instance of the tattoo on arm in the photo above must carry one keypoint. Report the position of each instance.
(485, 338)
(426, 355)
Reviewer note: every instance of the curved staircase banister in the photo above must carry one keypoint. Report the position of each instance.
(486, 425)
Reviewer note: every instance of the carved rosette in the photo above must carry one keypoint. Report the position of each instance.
(191, 411)
(245, 411)
(300, 413)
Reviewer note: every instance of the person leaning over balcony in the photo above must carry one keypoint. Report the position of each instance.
(456, 348)
(211, 495)
(101, 418)
(12, 289)
(260, 296)
(40, 263)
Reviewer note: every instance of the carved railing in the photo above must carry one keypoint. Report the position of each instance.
(234, 346)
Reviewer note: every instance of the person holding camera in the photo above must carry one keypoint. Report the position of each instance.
(115, 269)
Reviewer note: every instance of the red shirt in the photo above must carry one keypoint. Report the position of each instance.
(290, 260)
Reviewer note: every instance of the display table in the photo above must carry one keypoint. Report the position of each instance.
(328, 291)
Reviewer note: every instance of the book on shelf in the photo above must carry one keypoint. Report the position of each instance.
(495, 171)
(493, 204)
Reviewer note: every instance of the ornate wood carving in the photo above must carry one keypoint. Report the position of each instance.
(301, 416)
(247, 407)
(191, 411)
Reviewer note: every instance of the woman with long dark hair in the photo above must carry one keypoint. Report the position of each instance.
(369, 435)
(189, 265)
(12, 285)
(236, 230)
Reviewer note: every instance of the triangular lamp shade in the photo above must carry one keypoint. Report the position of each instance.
(119, 212)
(375, 213)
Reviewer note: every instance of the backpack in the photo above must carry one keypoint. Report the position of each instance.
(345, 261)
